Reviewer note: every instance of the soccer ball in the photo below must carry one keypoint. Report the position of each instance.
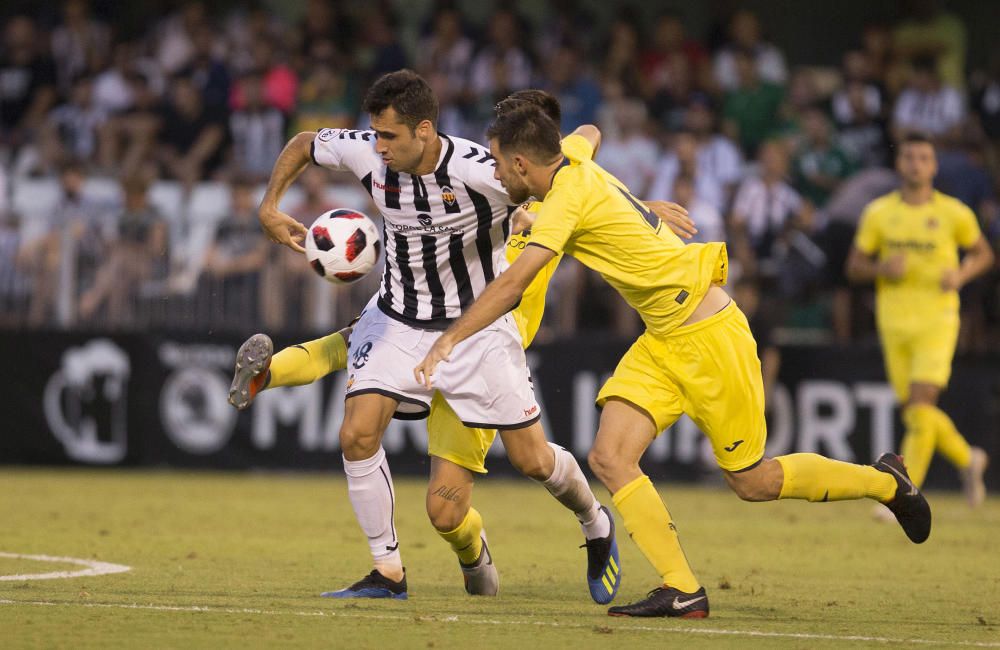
(342, 246)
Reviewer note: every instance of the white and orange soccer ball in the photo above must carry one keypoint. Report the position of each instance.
(343, 246)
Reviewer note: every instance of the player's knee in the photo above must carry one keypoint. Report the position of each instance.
(535, 464)
(603, 465)
(757, 485)
(359, 440)
(444, 515)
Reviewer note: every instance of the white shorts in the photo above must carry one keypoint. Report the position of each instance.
(487, 382)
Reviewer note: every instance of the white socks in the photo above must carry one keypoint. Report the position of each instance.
(369, 487)
(569, 486)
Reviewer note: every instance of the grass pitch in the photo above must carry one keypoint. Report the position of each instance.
(224, 560)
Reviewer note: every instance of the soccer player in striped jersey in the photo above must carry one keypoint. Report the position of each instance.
(697, 355)
(908, 243)
(446, 225)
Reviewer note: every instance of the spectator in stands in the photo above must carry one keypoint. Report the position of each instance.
(15, 285)
(986, 105)
(387, 53)
(764, 210)
(932, 33)
(857, 112)
(324, 20)
(502, 66)
(191, 135)
(72, 130)
(445, 55)
(128, 139)
(80, 45)
(683, 159)
(207, 70)
(718, 155)
(28, 90)
(279, 80)
(820, 165)
(621, 60)
(257, 132)
(138, 254)
(235, 259)
(112, 91)
(578, 94)
(745, 39)
(175, 42)
(706, 217)
(669, 43)
(763, 322)
(751, 108)
(63, 259)
(928, 106)
(627, 149)
(328, 95)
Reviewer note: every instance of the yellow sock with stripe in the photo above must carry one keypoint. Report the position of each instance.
(816, 478)
(466, 540)
(648, 523)
(305, 363)
(919, 440)
(949, 442)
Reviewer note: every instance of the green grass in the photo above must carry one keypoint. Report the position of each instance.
(254, 551)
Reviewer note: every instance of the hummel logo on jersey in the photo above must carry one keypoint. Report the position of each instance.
(733, 446)
(681, 604)
(361, 355)
(387, 188)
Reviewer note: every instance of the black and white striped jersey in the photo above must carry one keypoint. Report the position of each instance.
(444, 232)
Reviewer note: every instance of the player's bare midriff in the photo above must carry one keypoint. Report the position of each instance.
(713, 302)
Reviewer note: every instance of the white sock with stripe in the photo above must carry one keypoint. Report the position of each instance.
(369, 487)
(569, 486)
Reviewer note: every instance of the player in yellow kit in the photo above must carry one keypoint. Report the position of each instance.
(697, 355)
(456, 450)
(908, 243)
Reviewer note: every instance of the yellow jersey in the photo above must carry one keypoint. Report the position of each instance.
(528, 314)
(591, 215)
(928, 236)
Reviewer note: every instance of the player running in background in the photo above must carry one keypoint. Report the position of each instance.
(908, 243)
(697, 355)
(457, 451)
(446, 224)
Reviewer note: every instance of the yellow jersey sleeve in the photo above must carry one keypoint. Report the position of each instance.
(577, 148)
(867, 240)
(967, 230)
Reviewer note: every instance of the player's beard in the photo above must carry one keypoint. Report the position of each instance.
(518, 191)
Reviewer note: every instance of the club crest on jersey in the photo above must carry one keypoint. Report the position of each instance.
(932, 223)
(448, 195)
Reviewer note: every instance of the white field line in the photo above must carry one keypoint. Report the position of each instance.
(486, 621)
(94, 568)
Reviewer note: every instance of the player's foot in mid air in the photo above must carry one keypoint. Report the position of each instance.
(604, 573)
(909, 505)
(481, 577)
(666, 601)
(373, 585)
(972, 478)
(252, 362)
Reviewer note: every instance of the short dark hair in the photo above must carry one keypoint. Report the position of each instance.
(405, 92)
(547, 102)
(527, 130)
(915, 137)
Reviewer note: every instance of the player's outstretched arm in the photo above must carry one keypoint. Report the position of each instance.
(280, 227)
(496, 300)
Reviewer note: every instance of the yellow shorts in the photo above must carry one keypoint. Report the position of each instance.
(708, 370)
(451, 440)
(923, 356)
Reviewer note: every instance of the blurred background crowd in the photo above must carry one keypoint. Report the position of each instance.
(135, 141)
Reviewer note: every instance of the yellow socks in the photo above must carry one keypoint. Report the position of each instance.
(648, 523)
(919, 440)
(949, 442)
(466, 540)
(815, 478)
(307, 362)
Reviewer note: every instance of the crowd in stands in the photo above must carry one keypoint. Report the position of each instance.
(152, 144)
